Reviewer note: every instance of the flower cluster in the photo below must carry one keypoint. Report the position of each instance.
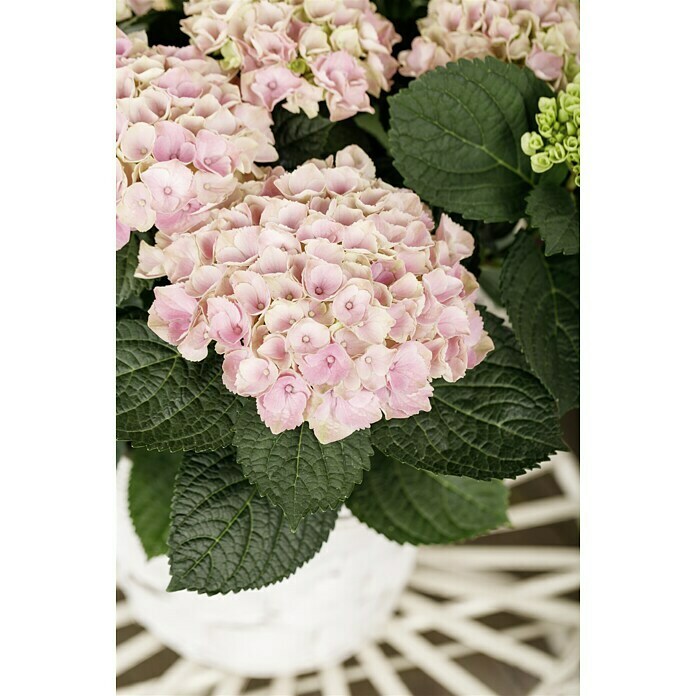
(558, 139)
(302, 52)
(185, 139)
(544, 35)
(328, 295)
(125, 9)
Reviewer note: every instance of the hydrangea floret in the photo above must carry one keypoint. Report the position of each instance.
(544, 35)
(328, 295)
(558, 137)
(186, 140)
(300, 52)
(125, 9)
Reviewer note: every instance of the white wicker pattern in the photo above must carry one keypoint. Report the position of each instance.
(470, 582)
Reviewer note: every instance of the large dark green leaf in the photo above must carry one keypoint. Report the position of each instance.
(496, 422)
(150, 490)
(127, 285)
(455, 137)
(552, 210)
(542, 297)
(225, 537)
(414, 506)
(294, 469)
(165, 402)
(298, 138)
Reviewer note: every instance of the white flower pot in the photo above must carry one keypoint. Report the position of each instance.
(320, 615)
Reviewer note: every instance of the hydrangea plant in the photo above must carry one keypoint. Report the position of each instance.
(306, 270)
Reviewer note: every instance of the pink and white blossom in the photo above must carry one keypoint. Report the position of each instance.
(299, 53)
(186, 140)
(544, 35)
(312, 293)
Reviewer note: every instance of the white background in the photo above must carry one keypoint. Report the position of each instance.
(57, 384)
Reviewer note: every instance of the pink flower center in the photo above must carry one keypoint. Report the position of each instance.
(289, 389)
(305, 339)
(207, 160)
(349, 305)
(272, 85)
(368, 359)
(259, 305)
(237, 329)
(266, 372)
(310, 313)
(288, 296)
(330, 360)
(167, 190)
(319, 291)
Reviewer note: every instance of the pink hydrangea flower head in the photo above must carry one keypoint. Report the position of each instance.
(331, 294)
(544, 35)
(186, 139)
(299, 54)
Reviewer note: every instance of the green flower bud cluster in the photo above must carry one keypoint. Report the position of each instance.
(558, 136)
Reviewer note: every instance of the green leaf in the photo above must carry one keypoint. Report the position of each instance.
(496, 422)
(489, 280)
(371, 124)
(542, 297)
(127, 285)
(419, 507)
(225, 537)
(294, 469)
(150, 490)
(298, 138)
(556, 176)
(165, 402)
(552, 210)
(455, 137)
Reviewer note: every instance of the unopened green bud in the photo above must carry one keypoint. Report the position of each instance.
(547, 105)
(531, 143)
(298, 66)
(557, 153)
(545, 122)
(541, 162)
(231, 56)
(571, 143)
(573, 89)
(567, 101)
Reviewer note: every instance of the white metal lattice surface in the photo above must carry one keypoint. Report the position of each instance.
(496, 616)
